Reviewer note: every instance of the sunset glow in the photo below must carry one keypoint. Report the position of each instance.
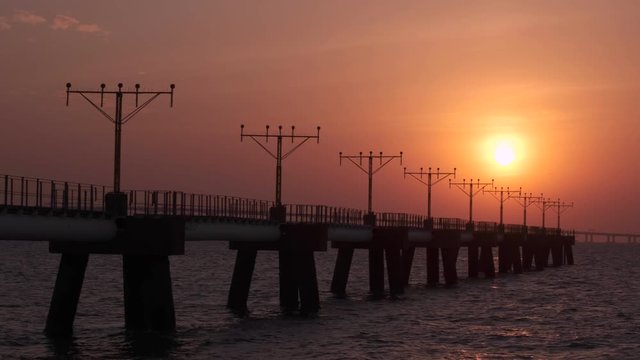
(504, 154)
(516, 91)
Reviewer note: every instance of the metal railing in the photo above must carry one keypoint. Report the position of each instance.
(322, 214)
(485, 226)
(449, 224)
(400, 219)
(46, 194)
(178, 203)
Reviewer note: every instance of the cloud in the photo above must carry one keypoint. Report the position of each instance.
(63, 22)
(89, 28)
(26, 17)
(4, 23)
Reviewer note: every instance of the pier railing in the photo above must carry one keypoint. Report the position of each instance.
(46, 194)
(178, 203)
(21, 192)
(322, 214)
(400, 219)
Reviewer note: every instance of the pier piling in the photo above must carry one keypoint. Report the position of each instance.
(472, 254)
(241, 280)
(66, 293)
(433, 266)
(341, 271)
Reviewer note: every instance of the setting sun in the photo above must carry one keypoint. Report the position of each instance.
(504, 154)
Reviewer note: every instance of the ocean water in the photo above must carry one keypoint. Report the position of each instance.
(590, 310)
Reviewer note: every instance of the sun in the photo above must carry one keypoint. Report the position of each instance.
(504, 154)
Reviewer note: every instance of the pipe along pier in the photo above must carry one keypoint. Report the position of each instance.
(146, 227)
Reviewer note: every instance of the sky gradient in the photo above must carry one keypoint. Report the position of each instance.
(442, 81)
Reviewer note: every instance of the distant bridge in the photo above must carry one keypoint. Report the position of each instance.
(610, 237)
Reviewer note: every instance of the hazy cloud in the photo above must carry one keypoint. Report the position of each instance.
(26, 17)
(63, 22)
(4, 23)
(90, 28)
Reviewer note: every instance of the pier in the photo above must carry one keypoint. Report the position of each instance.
(146, 227)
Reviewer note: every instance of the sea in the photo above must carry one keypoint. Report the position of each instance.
(590, 310)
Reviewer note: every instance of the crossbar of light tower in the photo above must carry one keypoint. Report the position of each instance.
(525, 200)
(479, 186)
(504, 196)
(118, 120)
(370, 170)
(560, 208)
(279, 156)
(439, 176)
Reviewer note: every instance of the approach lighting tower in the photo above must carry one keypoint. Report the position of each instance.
(279, 156)
(118, 120)
(439, 176)
(560, 208)
(502, 195)
(544, 204)
(370, 170)
(525, 200)
(479, 186)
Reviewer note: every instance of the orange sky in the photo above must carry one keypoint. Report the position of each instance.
(438, 80)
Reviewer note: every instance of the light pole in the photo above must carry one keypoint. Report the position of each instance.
(118, 120)
(525, 200)
(479, 186)
(504, 195)
(279, 156)
(371, 170)
(439, 176)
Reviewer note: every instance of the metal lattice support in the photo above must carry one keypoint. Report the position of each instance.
(525, 200)
(439, 176)
(370, 171)
(479, 186)
(118, 120)
(279, 156)
(502, 196)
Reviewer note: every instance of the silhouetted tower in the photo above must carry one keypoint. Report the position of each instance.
(439, 176)
(119, 119)
(544, 204)
(525, 200)
(502, 196)
(279, 156)
(370, 171)
(560, 208)
(479, 186)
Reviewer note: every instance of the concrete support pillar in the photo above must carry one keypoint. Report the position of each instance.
(241, 281)
(433, 266)
(341, 271)
(539, 254)
(449, 259)
(546, 253)
(148, 297)
(517, 259)
(473, 260)
(527, 256)
(504, 257)
(394, 271)
(568, 251)
(407, 264)
(288, 286)
(486, 262)
(66, 293)
(556, 253)
(307, 282)
(376, 272)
